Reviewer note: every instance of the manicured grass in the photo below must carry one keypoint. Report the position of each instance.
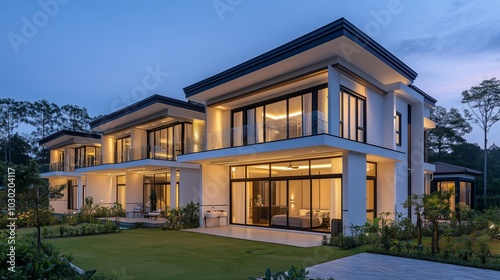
(157, 254)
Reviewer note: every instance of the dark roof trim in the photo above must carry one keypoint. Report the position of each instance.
(145, 103)
(329, 32)
(427, 97)
(65, 132)
(446, 168)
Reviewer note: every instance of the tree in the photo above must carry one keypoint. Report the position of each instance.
(75, 118)
(20, 149)
(153, 199)
(46, 118)
(436, 206)
(449, 131)
(11, 114)
(484, 105)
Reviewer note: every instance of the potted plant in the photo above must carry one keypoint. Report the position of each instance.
(153, 200)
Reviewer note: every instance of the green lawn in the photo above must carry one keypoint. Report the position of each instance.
(157, 254)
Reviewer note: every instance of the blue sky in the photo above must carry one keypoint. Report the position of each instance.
(104, 55)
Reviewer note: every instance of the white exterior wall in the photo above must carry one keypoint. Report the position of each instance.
(190, 185)
(354, 189)
(386, 193)
(60, 205)
(133, 191)
(333, 101)
(215, 190)
(102, 189)
(107, 149)
(218, 125)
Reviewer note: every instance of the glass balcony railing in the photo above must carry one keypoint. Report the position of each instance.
(139, 153)
(56, 166)
(252, 134)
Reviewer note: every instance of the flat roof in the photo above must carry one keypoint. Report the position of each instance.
(329, 32)
(446, 168)
(145, 103)
(64, 132)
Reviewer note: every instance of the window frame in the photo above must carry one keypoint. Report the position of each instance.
(244, 110)
(363, 128)
(399, 138)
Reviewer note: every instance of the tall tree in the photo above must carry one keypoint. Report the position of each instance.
(449, 131)
(484, 104)
(75, 118)
(46, 118)
(20, 149)
(11, 114)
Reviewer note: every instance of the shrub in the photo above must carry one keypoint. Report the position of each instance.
(30, 264)
(344, 242)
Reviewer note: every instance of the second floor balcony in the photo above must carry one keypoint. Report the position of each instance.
(133, 154)
(56, 167)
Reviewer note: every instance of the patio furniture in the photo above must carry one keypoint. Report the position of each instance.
(154, 214)
(137, 211)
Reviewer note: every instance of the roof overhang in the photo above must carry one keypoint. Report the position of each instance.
(337, 39)
(68, 138)
(149, 109)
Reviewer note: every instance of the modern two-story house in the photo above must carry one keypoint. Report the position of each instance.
(328, 129)
(135, 152)
(318, 134)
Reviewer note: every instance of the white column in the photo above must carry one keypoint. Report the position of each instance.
(80, 193)
(354, 189)
(333, 101)
(173, 187)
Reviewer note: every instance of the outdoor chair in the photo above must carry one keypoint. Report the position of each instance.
(155, 214)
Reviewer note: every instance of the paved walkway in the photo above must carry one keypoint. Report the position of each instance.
(375, 267)
(278, 236)
(361, 266)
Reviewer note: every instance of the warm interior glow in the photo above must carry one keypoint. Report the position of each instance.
(280, 117)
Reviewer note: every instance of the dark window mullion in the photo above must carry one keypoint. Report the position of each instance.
(314, 96)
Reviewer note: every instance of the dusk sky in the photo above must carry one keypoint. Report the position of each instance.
(96, 54)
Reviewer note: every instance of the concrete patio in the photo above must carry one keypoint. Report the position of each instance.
(278, 236)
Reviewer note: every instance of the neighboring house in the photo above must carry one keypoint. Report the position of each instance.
(69, 150)
(137, 152)
(457, 178)
(326, 127)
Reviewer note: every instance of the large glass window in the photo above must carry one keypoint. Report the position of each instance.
(123, 149)
(295, 115)
(160, 182)
(167, 143)
(465, 193)
(303, 194)
(121, 188)
(352, 116)
(72, 195)
(87, 156)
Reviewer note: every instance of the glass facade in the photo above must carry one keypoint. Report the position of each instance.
(168, 142)
(304, 194)
(160, 182)
(294, 115)
(87, 156)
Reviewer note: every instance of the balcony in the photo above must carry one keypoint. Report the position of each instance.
(56, 166)
(251, 134)
(139, 153)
